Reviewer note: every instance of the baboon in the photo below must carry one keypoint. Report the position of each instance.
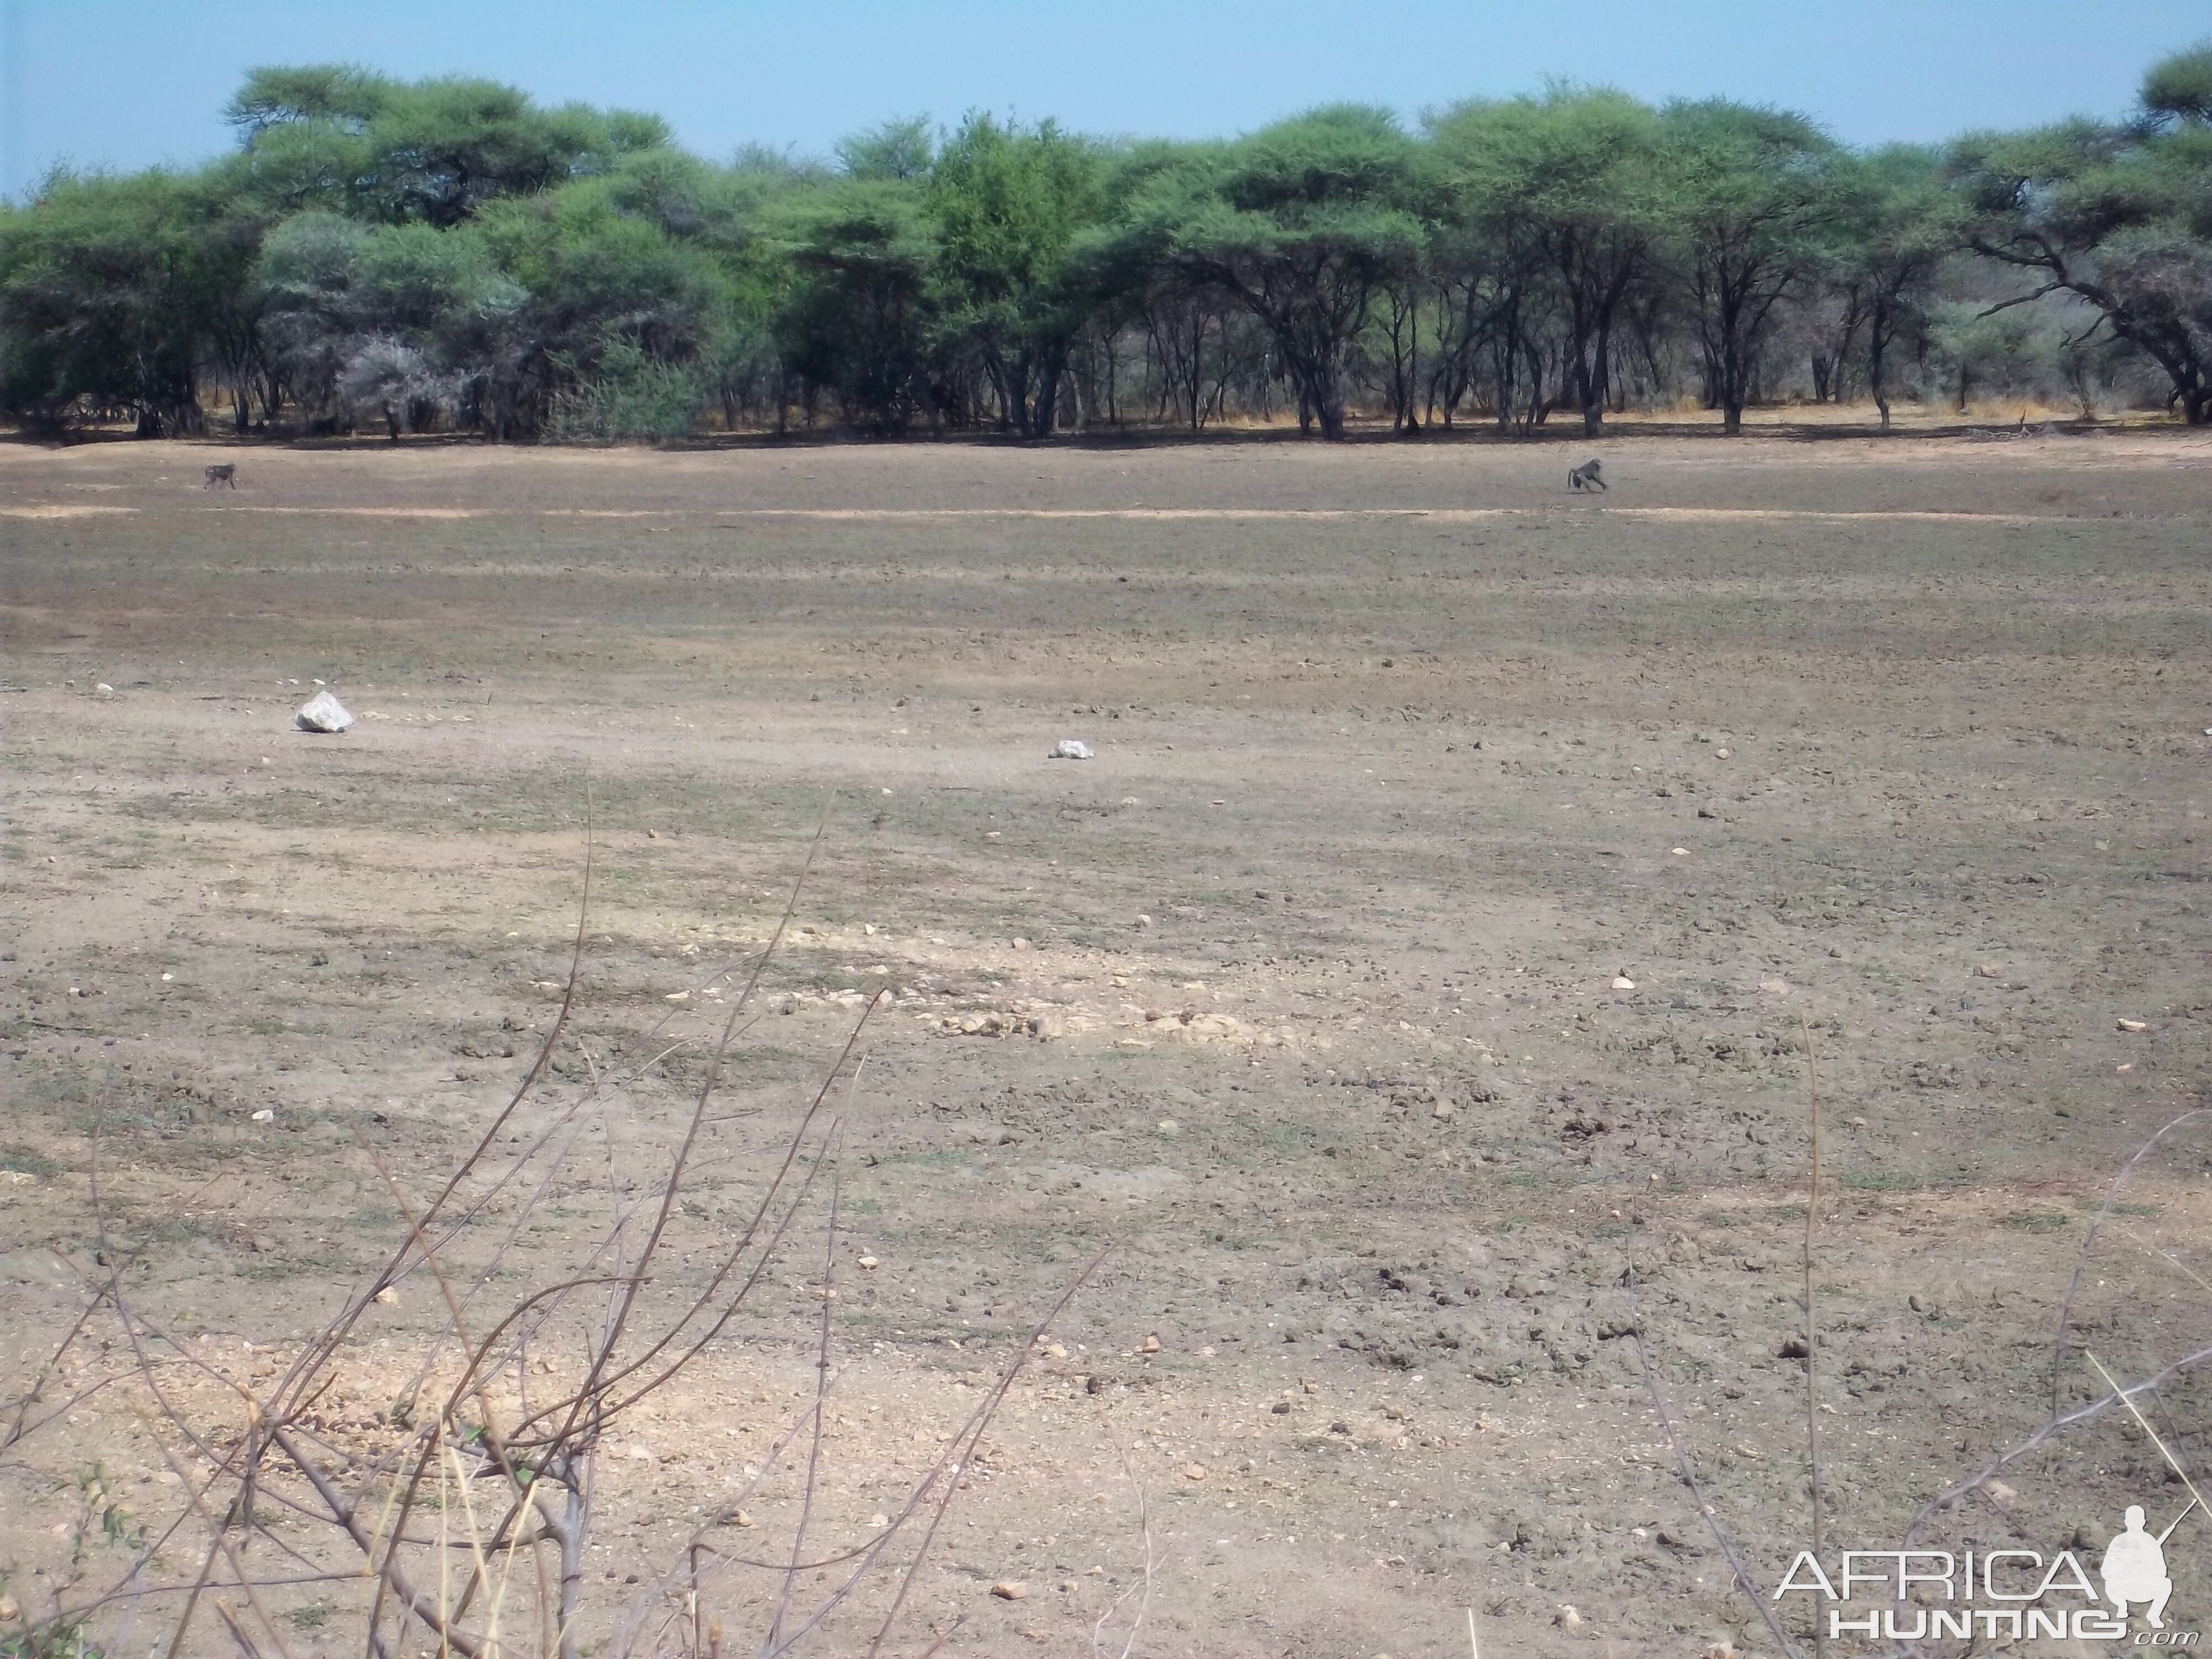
(1590, 475)
(225, 474)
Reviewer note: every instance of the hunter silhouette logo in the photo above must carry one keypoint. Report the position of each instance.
(2133, 1567)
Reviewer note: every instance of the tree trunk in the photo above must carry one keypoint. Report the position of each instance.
(1877, 354)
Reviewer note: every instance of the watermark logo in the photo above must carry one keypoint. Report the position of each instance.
(2003, 1594)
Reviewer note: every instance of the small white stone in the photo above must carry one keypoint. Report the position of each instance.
(323, 713)
(1072, 749)
(1720, 754)
(1622, 982)
(1681, 852)
(264, 1116)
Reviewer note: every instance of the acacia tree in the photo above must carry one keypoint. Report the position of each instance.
(1569, 175)
(1751, 195)
(1302, 224)
(1898, 225)
(108, 290)
(854, 313)
(2119, 215)
(1009, 208)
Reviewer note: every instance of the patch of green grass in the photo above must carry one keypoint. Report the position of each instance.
(948, 1158)
(311, 1617)
(1882, 1183)
(2124, 1207)
(176, 1230)
(2036, 1221)
(22, 1160)
(1524, 1178)
(1289, 1137)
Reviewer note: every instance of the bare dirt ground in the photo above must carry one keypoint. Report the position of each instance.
(1415, 991)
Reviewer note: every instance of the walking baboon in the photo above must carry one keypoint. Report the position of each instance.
(1590, 475)
(225, 474)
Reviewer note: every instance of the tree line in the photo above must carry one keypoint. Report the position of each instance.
(445, 255)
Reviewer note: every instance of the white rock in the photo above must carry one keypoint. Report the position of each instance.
(1072, 749)
(104, 689)
(1622, 982)
(264, 1116)
(323, 713)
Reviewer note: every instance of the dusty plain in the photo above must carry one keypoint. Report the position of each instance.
(1414, 992)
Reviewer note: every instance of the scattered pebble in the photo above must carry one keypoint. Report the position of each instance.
(869, 1264)
(1681, 851)
(1720, 754)
(1072, 749)
(1194, 1471)
(1009, 1589)
(2133, 1024)
(388, 1297)
(1144, 922)
(1986, 971)
(1567, 1618)
(1168, 1126)
(1622, 982)
(1152, 1344)
(264, 1116)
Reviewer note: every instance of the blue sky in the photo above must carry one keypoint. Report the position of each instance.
(126, 83)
